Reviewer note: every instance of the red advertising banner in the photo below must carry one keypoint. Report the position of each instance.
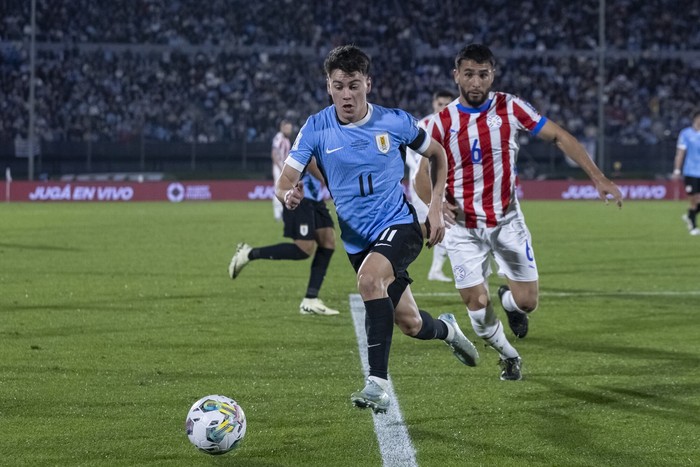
(585, 190)
(229, 190)
(174, 192)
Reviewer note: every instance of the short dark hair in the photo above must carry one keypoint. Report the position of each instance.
(696, 113)
(347, 58)
(443, 93)
(476, 52)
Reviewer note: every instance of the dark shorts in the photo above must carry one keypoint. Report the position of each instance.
(692, 185)
(301, 223)
(400, 244)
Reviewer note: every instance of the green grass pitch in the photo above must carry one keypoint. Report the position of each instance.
(115, 318)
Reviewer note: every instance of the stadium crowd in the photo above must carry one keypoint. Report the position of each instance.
(185, 71)
(632, 24)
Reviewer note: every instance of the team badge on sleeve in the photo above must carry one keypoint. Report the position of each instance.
(383, 143)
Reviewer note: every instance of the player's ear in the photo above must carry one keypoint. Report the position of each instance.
(455, 75)
(328, 85)
(369, 84)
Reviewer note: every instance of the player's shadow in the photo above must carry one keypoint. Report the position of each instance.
(99, 304)
(20, 246)
(653, 400)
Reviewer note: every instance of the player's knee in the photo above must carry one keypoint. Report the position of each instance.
(307, 247)
(328, 244)
(410, 326)
(325, 238)
(371, 286)
(329, 240)
(527, 302)
(476, 301)
(528, 306)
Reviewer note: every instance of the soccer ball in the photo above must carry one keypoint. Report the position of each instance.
(215, 424)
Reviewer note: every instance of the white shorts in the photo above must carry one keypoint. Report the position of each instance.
(470, 251)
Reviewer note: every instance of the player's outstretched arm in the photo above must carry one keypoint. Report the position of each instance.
(288, 188)
(421, 181)
(438, 174)
(576, 152)
(422, 185)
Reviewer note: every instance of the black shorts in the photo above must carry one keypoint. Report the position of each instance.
(692, 185)
(400, 244)
(302, 222)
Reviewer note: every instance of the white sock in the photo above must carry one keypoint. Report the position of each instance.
(509, 302)
(439, 257)
(383, 383)
(489, 328)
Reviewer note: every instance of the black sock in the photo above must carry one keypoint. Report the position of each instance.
(279, 251)
(432, 328)
(319, 266)
(692, 215)
(379, 325)
(397, 288)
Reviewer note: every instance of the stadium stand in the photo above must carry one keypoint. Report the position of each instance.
(224, 72)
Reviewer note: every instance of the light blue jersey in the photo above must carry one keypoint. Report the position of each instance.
(689, 139)
(313, 188)
(363, 168)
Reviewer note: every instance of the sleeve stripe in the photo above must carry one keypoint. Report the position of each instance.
(539, 126)
(421, 143)
(295, 164)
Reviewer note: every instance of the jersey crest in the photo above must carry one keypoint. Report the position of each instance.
(494, 121)
(383, 142)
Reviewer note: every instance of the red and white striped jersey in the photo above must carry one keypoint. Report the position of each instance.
(482, 147)
(280, 148)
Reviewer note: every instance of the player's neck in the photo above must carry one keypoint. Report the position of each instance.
(356, 120)
(463, 102)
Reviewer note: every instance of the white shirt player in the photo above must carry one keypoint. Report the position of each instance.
(280, 150)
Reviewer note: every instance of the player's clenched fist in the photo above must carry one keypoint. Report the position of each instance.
(293, 197)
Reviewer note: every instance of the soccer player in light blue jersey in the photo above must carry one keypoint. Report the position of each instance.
(310, 226)
(687, 162)
(356, 146)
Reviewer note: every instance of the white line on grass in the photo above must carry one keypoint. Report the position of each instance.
(660, 293)
(394, 443)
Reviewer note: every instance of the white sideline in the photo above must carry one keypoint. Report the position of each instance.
(659, 293)
(394, 443)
